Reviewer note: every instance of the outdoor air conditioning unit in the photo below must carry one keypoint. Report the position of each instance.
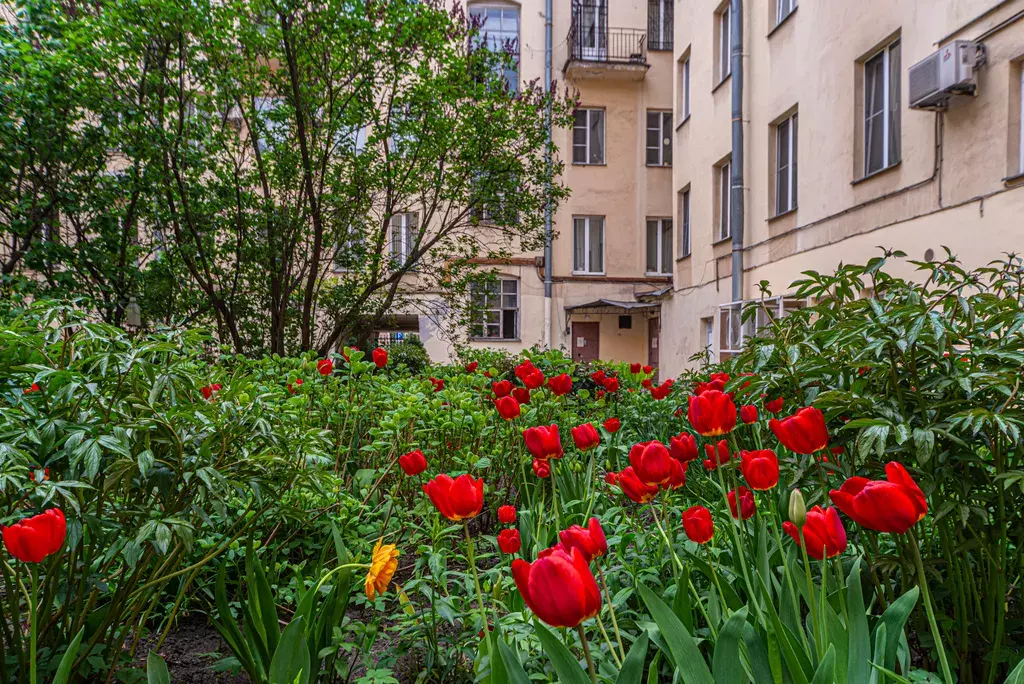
(950, 71)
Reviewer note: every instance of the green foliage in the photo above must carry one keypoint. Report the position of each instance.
(409, 355)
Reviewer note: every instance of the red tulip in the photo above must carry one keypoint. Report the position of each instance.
(636, 489)
(600, 394)
(647, 383)
(893, 506)
(683, 448)
(30, 540)
(598, 376)
(661, 391)
(522, 395)
(207, 392)
(747, 505)
(611, 384)
(558, 587)
(585, 436)
(502, 388)
(525, 368)
(456, 499)
(823, 533)
(560, 384)
(774, 406)
(634, 368)
(509, 541)
(30, 390)
(748, 414)
(437, 383)
(712, 413)
(380, 357)
(291, 386)
(325, 366)
(534, 379)
(541, 468)
(589, 541)
(716, 382)
(760, 469)
(838, 450)
(803, 433)
(543, 442)
(413, 463)
(471, 367)
(487, 374)
(716, 455)
(648, 369)
(612, 478)
(612, 425)
(508, 408)
(651, 462)
(676, 477)
(698, 525)
(506, 514)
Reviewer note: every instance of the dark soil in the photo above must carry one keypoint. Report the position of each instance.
(190, 652)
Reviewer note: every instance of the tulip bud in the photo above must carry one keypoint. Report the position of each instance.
(797, 508)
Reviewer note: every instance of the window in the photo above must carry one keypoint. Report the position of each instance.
(724, 42)
(495, 309)
(684, 222)
(659, 246)
(269, 111)
(659, 24)
(785, 165)
(351, 252)
(588, 136)
(882, 109)
(737, 322)
(1020, 152)
(783, 8)
(588, 244)
(499, 32)
(684, 89)
(708, 327)
(723, 184)
(659, 138)
(403, 237)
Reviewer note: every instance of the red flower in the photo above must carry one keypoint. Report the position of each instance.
(291, 387)
(585, 436)
(633, 487)
(612, 478)
(346, 350)
(506, 514)
(747, 505)
(541, 468)
(712, 413)
(534, 379)
(838, 450)
(524, 369)
(559, 587)
(651, 462)
(893, 506)
(543, 442)
(380, 357)
(683, 448)
(30, 390)
(598, 376)
(437, 383)
(589, 541)
(207, 392)
(634, 368)
(647, 383)
(560, 384)
(803, 433)
(471, 367)
(600, 394)
(456, 499)
(325, 366)
(774, 406)
(32, 539)
(676, 477)
(612, 425)
(716, 382)
(509, 541)
(648, 369)
(522, 395)
(508, 408)
(502, 388)
(698, 525)
(823, 532)
(611, 384)
(760, 469)
(748, 414)
(678, 413)
(487, 374)
(716, 455)
(662, 390)
(413, 463)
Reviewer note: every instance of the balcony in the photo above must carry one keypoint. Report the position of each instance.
(596, 50)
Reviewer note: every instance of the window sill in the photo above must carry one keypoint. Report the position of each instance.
(721, 240)
(596, 274)
(781, 23)
(661, 47)
(658, 166)
(721, 83)
(492, 340)
(876, 174)
(1014, 181)
(590, 164)
(683, 122)
(684, 257)
(654, 274)
(788, 212)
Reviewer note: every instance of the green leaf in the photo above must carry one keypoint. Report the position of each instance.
(879, 652)
(690, 664)
(566, 666)
(858, 669)
(632, 671)
(513, 668)
(757, 653)
(68, 659)
(291, 659)
(156, 670)
(1017, 676)
(726, 664)
(894, 617)
(824, 673)
(796, 660)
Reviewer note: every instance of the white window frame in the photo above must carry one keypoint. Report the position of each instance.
(480, 316)
(890, 156)
(495, 43)
(725, 44)
(708, 325)
(1020, 152)
(724, 198)
(407, 223)
(783, 8)
(664, 130)
(730, 317)
(587, 145)
(684, 86)
(685, 214)
(588, 268)
(662, 251)
(665, 36)
(787, 171)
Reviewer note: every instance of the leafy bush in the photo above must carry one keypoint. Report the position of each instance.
(410, 355)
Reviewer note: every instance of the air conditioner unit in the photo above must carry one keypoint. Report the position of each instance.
(950, 71)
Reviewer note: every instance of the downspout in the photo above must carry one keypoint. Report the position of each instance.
(736, 197)
(547, 163)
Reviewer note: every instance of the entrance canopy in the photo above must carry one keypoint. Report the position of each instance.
(612, 306)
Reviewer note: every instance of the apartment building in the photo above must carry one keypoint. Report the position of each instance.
(842, 149)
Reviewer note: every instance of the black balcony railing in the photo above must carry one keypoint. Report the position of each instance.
(591, 39)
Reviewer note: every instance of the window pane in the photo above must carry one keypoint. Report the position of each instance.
(894, 103)
(666, 245)
(652, 246)
(510, 286)
(666, 139)
(782, 167)
(874, 108)
(685, 213)
(596, 245)
(792, 162)
(579, 246)
(596, 136)
(508, 324)
(726, 207)
(686, 88)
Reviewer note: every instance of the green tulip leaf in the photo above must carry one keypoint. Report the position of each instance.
(894, 618)
(689, 662)
(291, 662)
(726, 663)
(859, 637)
(825, 672)
(632, 671)
(156, 670)
(68, 659)
(1017, 676)
(513, 669)
(566, 666)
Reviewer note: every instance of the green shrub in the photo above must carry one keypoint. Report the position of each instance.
(409, 355)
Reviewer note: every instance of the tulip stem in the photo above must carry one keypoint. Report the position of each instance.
(922, 581)
(471, 557)
(785, 564)
(611, 609)
(611, 647)
(554, 494)
(679, 564)
(736, 543)
(810, 595)
(586, 652)
(34, 579)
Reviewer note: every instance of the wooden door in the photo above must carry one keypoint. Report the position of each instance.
(586, 341)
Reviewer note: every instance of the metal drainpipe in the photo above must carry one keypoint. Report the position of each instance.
(736, 198)
(547, 189)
